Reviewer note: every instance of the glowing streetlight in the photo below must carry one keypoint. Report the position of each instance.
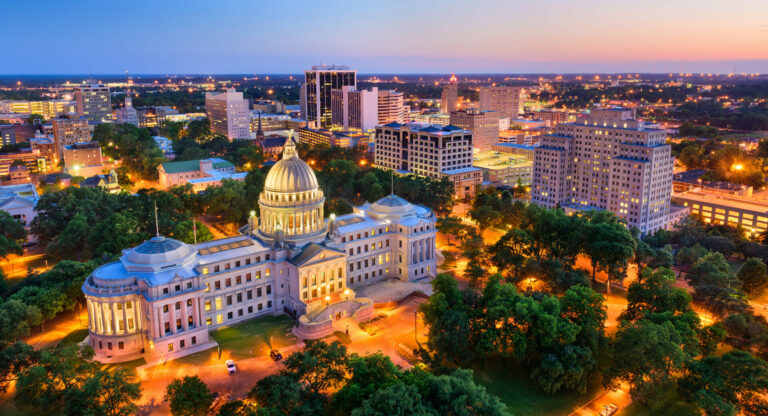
(737, 167)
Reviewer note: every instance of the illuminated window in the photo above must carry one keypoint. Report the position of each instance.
(207, 305)
(218, 302)
(205, 270)
(219, 318)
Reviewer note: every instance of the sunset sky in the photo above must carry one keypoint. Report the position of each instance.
(390, 36)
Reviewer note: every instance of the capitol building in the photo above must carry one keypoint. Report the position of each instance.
(161, 299)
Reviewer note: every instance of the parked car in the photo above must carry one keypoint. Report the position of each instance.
(275, 355)
(609, 409)
(231, 367)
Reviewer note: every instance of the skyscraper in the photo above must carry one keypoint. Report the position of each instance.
(607, 160)
(484, 126)
(316, 92)
(127, 114)
(504, 100)
(229, 114)
(449, 101)
(357, 109)
(93, 101)
(391, 108)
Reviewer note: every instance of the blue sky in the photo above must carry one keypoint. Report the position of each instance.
(392, 36)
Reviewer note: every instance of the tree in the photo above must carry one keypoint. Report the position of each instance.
(283, 394)
(188, 396)
(14, 359)
(65, 378)
(735, 383)
(105, 393)
(485, 217)
(447, 318)
(396, 400)
(183, 231)
(511, 250)
(228, 201)
(368, 374)
(16, 320)
(450, 227)
(455, 394)
(238, 408)
(656, 293)
(12, 235)
(610, 246)
(320, 365)
(647, 355)
(748, 332)
(753, 276)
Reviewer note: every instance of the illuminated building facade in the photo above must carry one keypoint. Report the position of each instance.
(94, 103)
(316, 92)
(484, 126)
(228, 113)
(427, 150)
(506, 101)
(391, 107)
(47, 109)
(69, 130)
(449, 99)
(356, 109)
(607, 160)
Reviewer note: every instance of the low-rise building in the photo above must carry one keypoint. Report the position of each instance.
(503, 169)
(19, 201)
(108, 182)
(200, 173)
(330, 138)
(721, 208)
(82, 155)
(523, 150)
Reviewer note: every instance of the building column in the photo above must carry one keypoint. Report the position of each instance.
(172, 310)
(99, 315)
(125, 318)
(159, 319)
(184, 314)
(137, 316)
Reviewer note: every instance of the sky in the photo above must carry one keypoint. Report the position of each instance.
(383, 36)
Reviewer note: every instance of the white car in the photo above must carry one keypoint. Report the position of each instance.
(231, 367)
(609, 410)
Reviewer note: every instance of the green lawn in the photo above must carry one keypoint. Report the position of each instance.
(673, 406)
(256, 336)
(74, 337)
(512, 384)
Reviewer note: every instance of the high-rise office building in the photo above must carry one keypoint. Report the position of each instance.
(94, 102)
(449, 100)
(484, 126)
(228, 113)
(127, 114)
(427, 150)
(356, 109)
(316, 92)
(507, 101)
(69, 130)
(607, 160)
(391, 107)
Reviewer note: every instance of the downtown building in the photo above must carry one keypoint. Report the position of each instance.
(316, 92)
(449, 99)
(48, 109)
(484, 126)
(392, 108)
(160, 299)
(427, 150)
(607, 161)
(68, 131)
(506, 101)
(94, 103)
(356, 109)
(127, 114)
(229, 114)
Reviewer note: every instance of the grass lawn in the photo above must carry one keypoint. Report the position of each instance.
(128, 365)
(513, 386)
(74, 337)
(256, 336)
(673, 406)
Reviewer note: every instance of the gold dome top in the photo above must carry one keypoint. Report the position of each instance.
(291, 174)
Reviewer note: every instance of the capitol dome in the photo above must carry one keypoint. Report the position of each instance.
(291, 205)
(390, 207)
(291, 174)
(157, 253)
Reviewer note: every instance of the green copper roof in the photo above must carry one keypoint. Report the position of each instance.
(184, 166)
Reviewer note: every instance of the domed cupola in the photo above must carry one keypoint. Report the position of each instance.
(292, 201)
(157, 254)
(391, 207)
